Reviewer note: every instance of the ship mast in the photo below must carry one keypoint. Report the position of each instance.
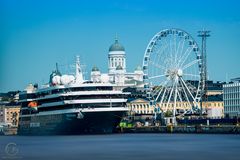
(78, 75)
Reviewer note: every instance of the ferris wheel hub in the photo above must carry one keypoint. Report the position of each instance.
(180, 72)
(174, 74)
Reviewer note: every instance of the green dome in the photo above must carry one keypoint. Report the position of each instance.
(95, 69)
(116, 46)
(139, 68)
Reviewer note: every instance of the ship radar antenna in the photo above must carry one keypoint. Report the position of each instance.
(57, 70)
(79, 76)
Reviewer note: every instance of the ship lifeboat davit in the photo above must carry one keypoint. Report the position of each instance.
(33, 105)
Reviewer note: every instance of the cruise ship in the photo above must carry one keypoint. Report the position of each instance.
(71, 105)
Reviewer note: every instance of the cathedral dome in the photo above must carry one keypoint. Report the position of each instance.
(139, 68)
(95, 69)
(116, 46)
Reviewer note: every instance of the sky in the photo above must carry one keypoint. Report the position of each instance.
(35, 34)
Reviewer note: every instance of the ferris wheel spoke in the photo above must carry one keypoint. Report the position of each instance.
(169, 57)
(170, 96)
(158, 88)
(177, 52)
(164, 42)
(160, 50)
(171, 49)
(157, 65)
(190, 64)
(176, 47)
(164, 93)
(170, 44)
(160, 53)
(179, 96)
(162, 89)
(187, 89)
(191, 75)
(182, 46)
(181, 58)
(185, 93)
(175, 100)
(158, 76)
(175, 42)
(155, 91)
(185, 56)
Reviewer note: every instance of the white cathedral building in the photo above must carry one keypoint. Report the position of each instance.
(117, 71)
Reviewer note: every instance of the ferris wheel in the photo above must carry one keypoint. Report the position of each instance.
(172, 68)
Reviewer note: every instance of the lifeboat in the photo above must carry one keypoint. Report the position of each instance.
(33, 105)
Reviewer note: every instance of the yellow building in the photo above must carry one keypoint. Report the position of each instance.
(9, 115)
(140, 106)
(213, 107)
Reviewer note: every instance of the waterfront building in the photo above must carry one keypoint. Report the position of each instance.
(231, 98)
(117, 70)
(9, 96)
(9, 114)
(214, 88)
(140, 106)
(214, 107)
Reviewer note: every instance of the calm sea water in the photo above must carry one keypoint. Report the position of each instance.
(122, 147)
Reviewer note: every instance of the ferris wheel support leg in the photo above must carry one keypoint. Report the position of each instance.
(155, 115)
(175, 102)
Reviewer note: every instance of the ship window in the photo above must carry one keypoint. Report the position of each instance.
(56, 91)
(31, 96)
(92, 88)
